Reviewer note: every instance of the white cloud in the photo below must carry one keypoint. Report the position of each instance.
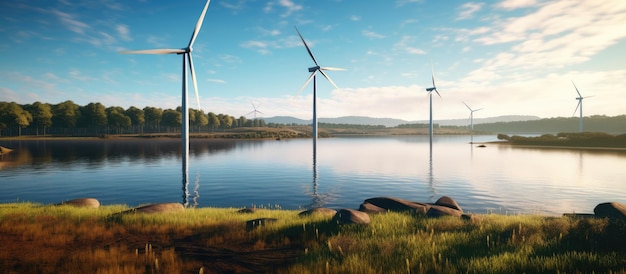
(556, 35)
(372, 35)
(289, 5)
(70, 22)
(123, 32)
(516, 4)
(219, 81)
(355, 18)
(468, 10)
(413, 50)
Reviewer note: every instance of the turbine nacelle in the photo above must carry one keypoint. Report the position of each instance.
(431, 89)
(313, 69)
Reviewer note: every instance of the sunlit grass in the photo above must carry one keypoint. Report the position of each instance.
(64, 239)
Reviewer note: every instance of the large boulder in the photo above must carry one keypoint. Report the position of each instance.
(444, 206)
(398, 205)
(351, 216)
(320, 211)
(82, 202)
(440, 211)
(371, 209)
(159, 208)
(448, 202)
(612, 210)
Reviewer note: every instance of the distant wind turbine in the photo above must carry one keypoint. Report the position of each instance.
(471, 121)
(314, 70)
(430, 95)
(255, 111)
(186, 54)
(579, 106)
(471, 115)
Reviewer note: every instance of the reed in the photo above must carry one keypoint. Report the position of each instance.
(63, 239)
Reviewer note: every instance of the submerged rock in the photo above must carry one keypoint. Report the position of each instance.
(82, 202)
(351, 216)
(612, 210)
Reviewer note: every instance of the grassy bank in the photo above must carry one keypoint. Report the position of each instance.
(63, 239)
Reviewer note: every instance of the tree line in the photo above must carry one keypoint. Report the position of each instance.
(69, 118)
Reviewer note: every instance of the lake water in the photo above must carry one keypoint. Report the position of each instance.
(270, 173)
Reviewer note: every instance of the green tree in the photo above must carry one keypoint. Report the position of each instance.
(42, 116)
(65, 114)
(200, 119)
(94, 116)
(172, 119)
(117, 119)
(214, 121)
(13, 115)
(137, 118)
(243, 121)
(153, 117)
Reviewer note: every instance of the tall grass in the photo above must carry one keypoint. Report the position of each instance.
(63, 239)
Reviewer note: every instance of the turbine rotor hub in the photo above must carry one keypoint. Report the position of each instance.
(312, 69)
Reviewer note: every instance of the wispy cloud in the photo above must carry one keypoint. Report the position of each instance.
(516, 4)
(468, 10)
(355, 18)
(563, 32)
(219, 81)
(289, 6)
(70, 22)
(265, 46)
(123, 32)
(372, 35)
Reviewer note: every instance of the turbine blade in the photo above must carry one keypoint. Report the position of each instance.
(576, 89)
(476, 110)
(432, 74)
(198, 25)
(154, 51)
(579, 102)
(306, 83)
(438, 93)
(193, 79)
(307, 46)
(468, 107)
(328, 78)
(331, 68)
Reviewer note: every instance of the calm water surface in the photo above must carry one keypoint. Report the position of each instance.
(225, 173)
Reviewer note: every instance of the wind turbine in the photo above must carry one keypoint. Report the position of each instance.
(186, 54)
(580, 105)
(314, 70)
(471, 121)
(471, 115)
(430, 95)
(255, 111)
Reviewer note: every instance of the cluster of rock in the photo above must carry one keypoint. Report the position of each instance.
(444, 206)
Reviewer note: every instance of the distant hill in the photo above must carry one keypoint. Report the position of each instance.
(391, 122)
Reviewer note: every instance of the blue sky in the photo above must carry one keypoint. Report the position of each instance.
(510, 57)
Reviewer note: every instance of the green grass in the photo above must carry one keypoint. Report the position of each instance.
(53, 239)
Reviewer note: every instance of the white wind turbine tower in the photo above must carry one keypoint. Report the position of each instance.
(471, 121)
(186, 55)
(430, 95)
(314, 70)
(579, 106)
(255, 111)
